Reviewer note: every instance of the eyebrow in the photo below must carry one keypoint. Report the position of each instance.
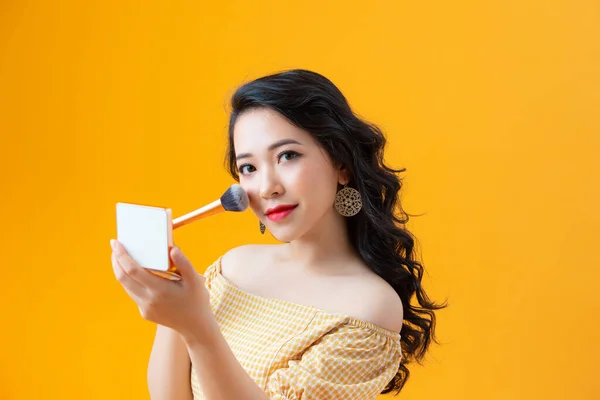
(272, 147)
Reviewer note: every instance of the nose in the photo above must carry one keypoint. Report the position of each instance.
(270, 185)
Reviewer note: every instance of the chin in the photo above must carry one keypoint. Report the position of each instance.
(285, 235)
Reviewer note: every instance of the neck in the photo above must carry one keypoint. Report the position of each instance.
(325, 247)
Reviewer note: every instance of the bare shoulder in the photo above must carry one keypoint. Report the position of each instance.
(242, 258)
(248, 267)
(379, 303)
(239, 253)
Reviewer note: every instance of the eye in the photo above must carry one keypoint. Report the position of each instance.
(288, 155)
(247, 171)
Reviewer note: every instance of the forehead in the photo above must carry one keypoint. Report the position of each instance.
(257, 129)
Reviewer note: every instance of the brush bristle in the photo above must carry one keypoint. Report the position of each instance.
(235, 198)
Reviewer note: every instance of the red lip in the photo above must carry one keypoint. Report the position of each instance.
(280, 208)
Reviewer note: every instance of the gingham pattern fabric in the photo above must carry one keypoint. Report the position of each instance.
(299, 352)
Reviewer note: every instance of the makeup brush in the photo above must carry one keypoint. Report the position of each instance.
(234, 199)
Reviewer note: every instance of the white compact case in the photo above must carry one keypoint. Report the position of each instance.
(146, 232)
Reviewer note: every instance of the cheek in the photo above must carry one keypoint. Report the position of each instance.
(315, 184)
(300, 178)
(253, 193)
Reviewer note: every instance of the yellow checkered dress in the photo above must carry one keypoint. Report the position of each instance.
(299, 352)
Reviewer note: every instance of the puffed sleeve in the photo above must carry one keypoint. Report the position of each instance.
(349, 362)
(210, 273)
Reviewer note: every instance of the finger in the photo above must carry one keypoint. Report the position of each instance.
(133, 288)
(185, 267)
(135, 271)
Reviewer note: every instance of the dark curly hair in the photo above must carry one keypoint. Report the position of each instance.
(313, 103)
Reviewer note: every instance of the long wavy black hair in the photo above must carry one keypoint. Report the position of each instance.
(313, 103)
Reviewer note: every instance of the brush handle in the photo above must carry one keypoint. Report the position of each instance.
(208, 210)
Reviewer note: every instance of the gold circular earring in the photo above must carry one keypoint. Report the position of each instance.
(348, 201)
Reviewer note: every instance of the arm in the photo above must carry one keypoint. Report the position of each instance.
(185, 309)
(169, 367)
(220, 374)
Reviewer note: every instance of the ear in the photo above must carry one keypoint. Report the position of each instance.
(343, 175)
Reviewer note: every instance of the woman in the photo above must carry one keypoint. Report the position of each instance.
(327, 314)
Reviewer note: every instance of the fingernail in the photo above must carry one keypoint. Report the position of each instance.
(113, 244)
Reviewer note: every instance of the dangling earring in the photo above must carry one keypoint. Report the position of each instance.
(262, 227)
(348, 201)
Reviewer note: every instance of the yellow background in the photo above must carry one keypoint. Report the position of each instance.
(491, 106)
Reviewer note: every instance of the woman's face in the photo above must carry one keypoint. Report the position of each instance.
(290, 180)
